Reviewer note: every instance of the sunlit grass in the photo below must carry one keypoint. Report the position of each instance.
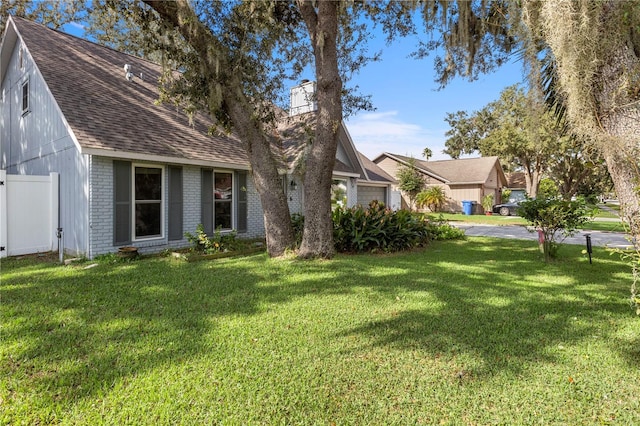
(464, 332)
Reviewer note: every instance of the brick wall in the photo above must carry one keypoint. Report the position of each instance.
(101, 209)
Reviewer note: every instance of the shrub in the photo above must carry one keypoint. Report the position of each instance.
(219, 242)
(358, 229)
(487, 202)
(433, 198)
(552, 215)
(440, 230)
(297, 221)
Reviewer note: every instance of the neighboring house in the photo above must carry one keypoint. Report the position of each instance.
(131, 171)
(517, 184)
(467, 179)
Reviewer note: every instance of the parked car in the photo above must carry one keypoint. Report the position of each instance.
(507, 209)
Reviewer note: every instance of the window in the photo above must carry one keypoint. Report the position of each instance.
(223, 200)
(147, 189)
(25, 97)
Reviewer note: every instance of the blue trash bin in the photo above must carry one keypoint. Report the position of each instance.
(467, 207)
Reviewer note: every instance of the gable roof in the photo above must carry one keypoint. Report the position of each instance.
(374, 172)
(454, 172)
(297, 132)
(108, 115)
(516, 180)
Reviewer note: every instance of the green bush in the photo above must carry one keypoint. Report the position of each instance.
(297, 221)
(440, 230)
(433, 198)
(377, 228)
(550, 216)
(217, 243)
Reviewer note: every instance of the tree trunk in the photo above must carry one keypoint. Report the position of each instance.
(277, 218)
(213, 55)
(317, 238)
(619, 117)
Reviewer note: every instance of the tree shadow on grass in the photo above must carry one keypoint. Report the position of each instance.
(496, 310)
(76, 333)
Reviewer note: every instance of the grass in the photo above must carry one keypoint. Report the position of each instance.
(464, 332)
(495, 219)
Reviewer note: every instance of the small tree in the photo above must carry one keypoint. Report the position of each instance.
(433, 198)
(549, 216)
(410, 181)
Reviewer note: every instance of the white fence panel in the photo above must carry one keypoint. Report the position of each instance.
(28, 214)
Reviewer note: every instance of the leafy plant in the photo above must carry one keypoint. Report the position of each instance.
(441, 230)
(217, 243)
(487, 202)
(549, 216)
(377, 228)
(297, 220)
(433, 198)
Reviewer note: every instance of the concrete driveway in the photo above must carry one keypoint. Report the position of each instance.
(598, 238)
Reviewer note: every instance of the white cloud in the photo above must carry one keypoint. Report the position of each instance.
(378, 132)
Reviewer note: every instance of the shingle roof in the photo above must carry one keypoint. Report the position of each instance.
(296, 133)
(456, 172)
(516, 180)
(375, 172)
(110, 115)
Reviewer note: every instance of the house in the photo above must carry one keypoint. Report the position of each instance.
(131, 171)
(467, 179)
(356, 179)
(516, 183)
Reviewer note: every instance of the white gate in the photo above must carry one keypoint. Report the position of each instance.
(28, 214)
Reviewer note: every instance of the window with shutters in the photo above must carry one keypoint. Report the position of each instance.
(147, 202)
(223, 200)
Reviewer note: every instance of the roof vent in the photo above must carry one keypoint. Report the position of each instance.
(127, 72)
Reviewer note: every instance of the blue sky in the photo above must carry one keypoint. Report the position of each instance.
(410, 110)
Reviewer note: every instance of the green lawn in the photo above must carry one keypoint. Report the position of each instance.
(463, 332)
(596, 225)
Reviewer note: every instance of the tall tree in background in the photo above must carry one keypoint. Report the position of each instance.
(596, 46)
(53, 14)
(514, 128)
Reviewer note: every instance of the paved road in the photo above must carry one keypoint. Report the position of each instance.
(598, 238)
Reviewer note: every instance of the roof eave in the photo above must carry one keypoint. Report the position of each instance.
(150, 158)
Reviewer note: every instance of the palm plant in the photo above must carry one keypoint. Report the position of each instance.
(433, 198)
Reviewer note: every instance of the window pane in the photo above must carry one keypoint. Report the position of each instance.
(223, 215)
(148, 219)
(223, 186)
(25, 96)
(148, 183)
